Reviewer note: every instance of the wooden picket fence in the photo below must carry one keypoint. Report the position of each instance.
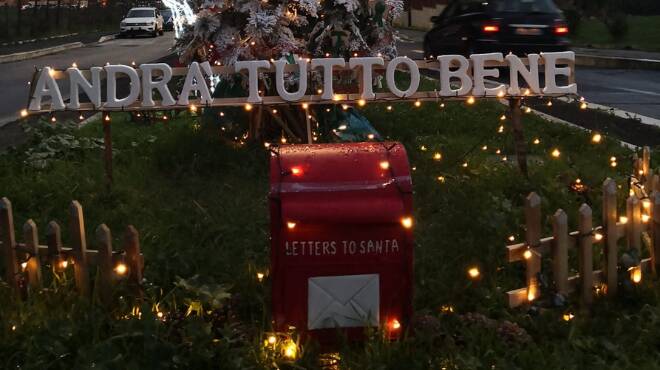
(640, 222)
(24, 261)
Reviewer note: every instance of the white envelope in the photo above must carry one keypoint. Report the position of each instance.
(343, 301)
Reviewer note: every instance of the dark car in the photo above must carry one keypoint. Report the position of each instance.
(485, 26)
(168, 19)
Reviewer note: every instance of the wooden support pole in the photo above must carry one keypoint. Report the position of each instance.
(134, 259)
(634, 225)
(560, 252)
(655, 230)
(33, 266)
(611, 236)
(79, 248)
(107, 149)
(9, 244)
(518, 136)
(533, 240)
(105, 265)
(585, 254)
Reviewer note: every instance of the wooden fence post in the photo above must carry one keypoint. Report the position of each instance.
(105, 265)
(134, 258)
(655, 230)
(79, 248)
(533, 239)
(54, 241)
(9, 244)
(560, 252)
(33, 267)
(585, 254)
(634, 225)
(611, 236)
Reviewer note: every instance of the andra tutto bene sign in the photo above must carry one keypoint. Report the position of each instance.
(469, 73)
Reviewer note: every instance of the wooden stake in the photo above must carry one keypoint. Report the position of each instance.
(9, 244)
(518, 137)
(533, 239)
(107, 150)
(611, 235)
(560, 252)
(33, 267)
(586, 254)
(79, 248)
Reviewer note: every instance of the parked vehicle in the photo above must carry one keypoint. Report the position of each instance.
(142, 21)
(168, 19)
(483, 26)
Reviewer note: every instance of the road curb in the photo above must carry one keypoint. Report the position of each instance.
(107, 38)
(37, 53)
(584, 60)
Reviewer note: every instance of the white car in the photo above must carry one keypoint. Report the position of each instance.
(142, 21)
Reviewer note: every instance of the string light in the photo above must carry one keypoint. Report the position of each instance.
(498, 151)
(646, 204)
(503, 117)
(362, 102)
(645, 218)
(485, 147)
(473, 272)
(470, 100)
(121, 268)
(528, 110)
(635, 274)
(389, 108)
(500, 129)
(296, 171)
(290, 349)
(437, 156)
(556, 153)
(248, 107)
(537, 141)
(418, 103)
(370, 136)
(568, 316)
(107, 118)
(623, 220)
(527, 255)
(549, 104)
(598, 237)
(596, 138)
(193, 108)
(441, 179)
(442, 105)
(81, 117)
(274, 111)
(63, 264)
(53, 119)
(395, 324)
(260, 276)
(422, 148)
(24, 265)
(512, 238)
(465, 164)
(407, 222)
(384, 165)
(291, 225)
(24, 113)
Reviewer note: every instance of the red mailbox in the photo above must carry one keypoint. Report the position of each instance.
(341, 238)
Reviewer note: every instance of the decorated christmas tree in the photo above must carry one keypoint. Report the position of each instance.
(226, 31)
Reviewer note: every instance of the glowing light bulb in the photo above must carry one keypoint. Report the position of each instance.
(248, 107)
(635, 274)
(362, 102)
(290, 350)
(274, 111)
(407, 222)
(645, 218)
(613, 164)
(291, 225)
(24, 265)
(512, 238)
(193, 108)
(470, 100)
(296, 171)
(441, 179)
(370, 136)
(260, 276)
(272, 339)
(598, 237)
(395, 324)
(465, 164)
(107, 118)
(53, 119)
(64, 264)
(537, 141)
(646, 204)
(583, 105)
(384, 165)
(623, 220)
(556, 153)
(528, 254)
(500, 94)
(485, 147)
(389, 108)
(81, 117)
(24, 113)
(437, 156)
(319, 91)
(500, 129)
(422, 148)
(596, 138)
(473, 272)
(336, 97)
(502, 117)
(121, 268)
(568, 316)
(418, 103)
(283, 140)
(549, 104)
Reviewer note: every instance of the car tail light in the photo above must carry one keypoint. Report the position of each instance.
(490, 28)
(561, 29)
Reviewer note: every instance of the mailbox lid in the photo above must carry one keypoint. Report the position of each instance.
(342, 183)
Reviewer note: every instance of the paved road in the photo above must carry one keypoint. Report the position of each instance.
(636, 91)
(14, 77)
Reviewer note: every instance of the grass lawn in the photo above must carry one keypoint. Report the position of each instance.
(199, 202)
(643, 34)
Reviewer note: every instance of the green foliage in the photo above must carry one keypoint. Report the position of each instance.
(199, 202)
(643, 34)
